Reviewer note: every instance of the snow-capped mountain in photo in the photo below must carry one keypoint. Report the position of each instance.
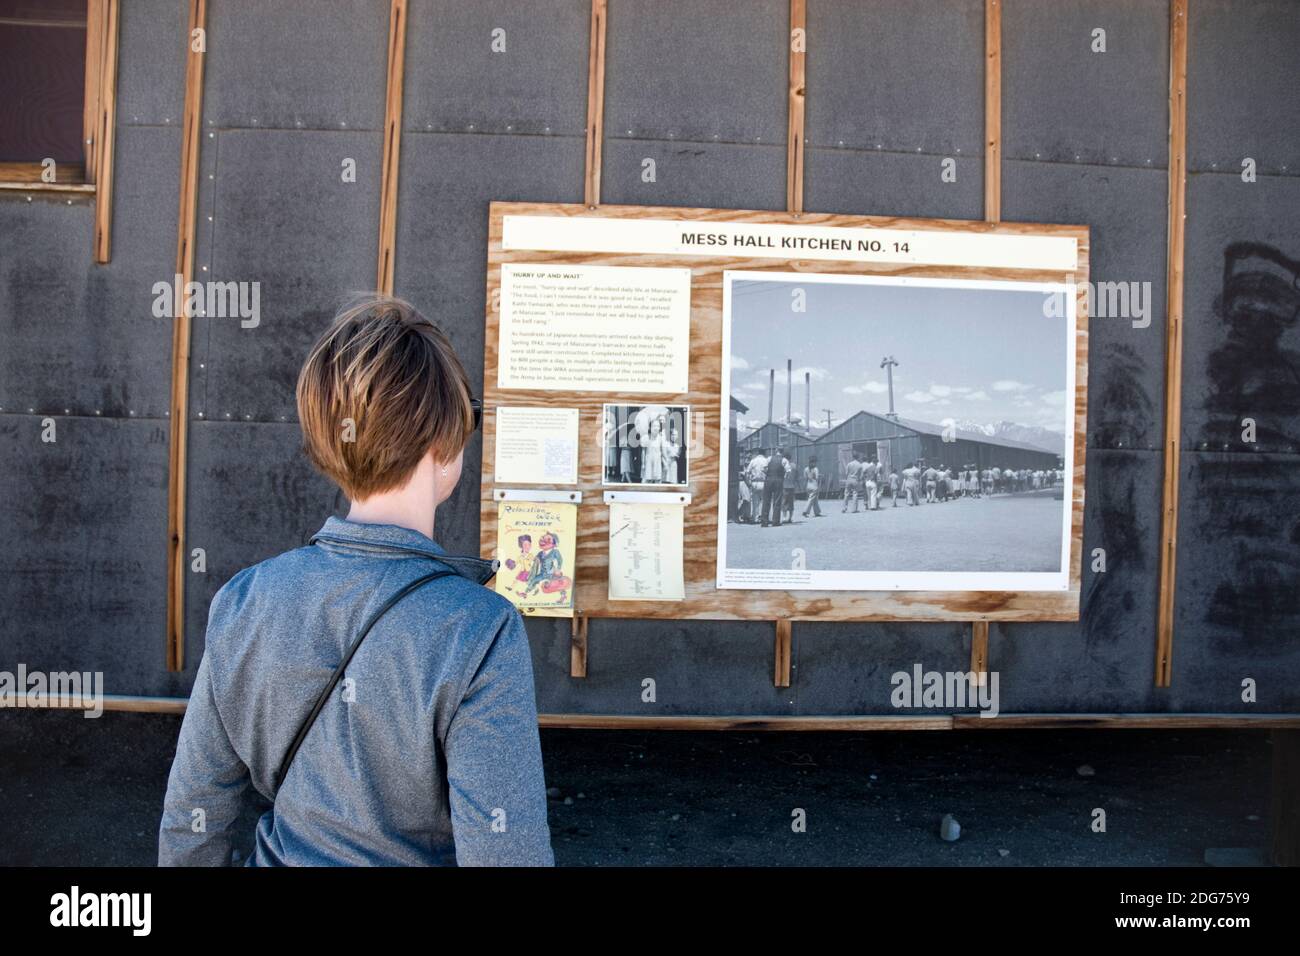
(1032, 434)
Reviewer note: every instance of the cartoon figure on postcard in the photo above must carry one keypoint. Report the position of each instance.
(532, 538)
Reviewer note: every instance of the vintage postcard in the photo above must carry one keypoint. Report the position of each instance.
(535, 545)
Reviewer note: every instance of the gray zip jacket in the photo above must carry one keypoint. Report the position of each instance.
(426, 753)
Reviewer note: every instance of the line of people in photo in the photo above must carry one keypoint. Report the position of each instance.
(769, 481)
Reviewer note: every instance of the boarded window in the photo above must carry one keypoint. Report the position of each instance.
(43, 75)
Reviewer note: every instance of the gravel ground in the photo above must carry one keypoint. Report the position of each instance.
(89, 792)
(1020, 532)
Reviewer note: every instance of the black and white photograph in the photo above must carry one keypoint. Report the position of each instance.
(896, 433)
(646, 445)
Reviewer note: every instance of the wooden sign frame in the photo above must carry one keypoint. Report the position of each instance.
(703, 599)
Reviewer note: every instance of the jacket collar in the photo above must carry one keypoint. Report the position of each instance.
(390, 538)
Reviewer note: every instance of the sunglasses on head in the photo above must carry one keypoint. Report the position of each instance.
(477, 405)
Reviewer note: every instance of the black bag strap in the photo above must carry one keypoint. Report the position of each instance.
(347, 658)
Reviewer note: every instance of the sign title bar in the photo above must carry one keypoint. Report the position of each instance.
(780, 241)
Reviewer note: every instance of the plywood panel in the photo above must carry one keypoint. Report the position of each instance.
(151, 87)
(290, 64)
(85, 591)
(1238, 606)
(1241, 340)
(1126, 211)
(88, 341)
(1066, 102)
(283, 218)
(846, 668)
(901, 76)
(894, 184)
(1241, 99)
(529, 78)
(693, 174)
(703, 599)
(697, 70)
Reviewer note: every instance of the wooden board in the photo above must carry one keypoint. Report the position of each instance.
(1173, 340)
(96, 14)
(979, 631)
(795, 110)
(65, 174)
(105, 128)
(178, 452)
(595, 102)
(392, 146)
(992, 110)
(703, 599)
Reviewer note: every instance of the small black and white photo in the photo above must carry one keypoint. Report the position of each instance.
(646, 444)
(896, 433)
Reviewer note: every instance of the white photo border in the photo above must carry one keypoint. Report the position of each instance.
(768, 579)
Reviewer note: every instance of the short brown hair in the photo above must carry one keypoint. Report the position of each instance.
(382, 387)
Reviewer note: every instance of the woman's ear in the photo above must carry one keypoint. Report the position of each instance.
(446, 474)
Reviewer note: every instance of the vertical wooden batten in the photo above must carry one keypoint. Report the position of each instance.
(180, 390)
(578, 646)
(392, 145)
(795, 129)
(979, 630)
(595, 103)
(992, 110)
(105, 121)
(782, 648)
(979, 649)
(783, 653)
(96, 14)
(591, 198)
(1173, 339)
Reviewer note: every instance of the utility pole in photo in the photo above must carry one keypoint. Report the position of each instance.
(888, 363)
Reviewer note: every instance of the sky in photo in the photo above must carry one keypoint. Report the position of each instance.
(973, 355)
